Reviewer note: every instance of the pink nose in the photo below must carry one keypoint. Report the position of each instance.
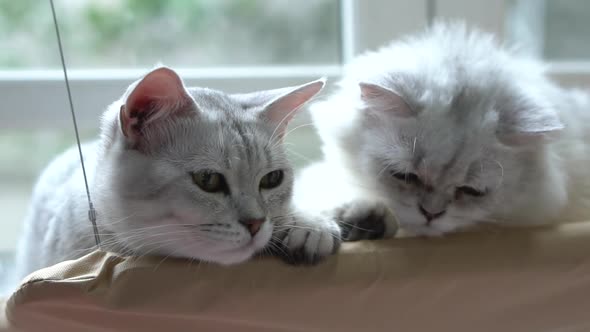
(252, 225)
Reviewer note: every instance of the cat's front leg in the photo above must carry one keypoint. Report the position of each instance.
(362, 220)
(306, 239)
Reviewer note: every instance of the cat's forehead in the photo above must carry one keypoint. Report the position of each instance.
(247, 143)
(227, 143)
(218, 105)
(440, 145)
(433, 158)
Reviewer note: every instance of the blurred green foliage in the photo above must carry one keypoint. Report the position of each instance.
(184, 33)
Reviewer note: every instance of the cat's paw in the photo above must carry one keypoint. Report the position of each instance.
(309, 240)
(363, 220)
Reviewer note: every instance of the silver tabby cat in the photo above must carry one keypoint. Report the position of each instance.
(447, 129)
(187, 172)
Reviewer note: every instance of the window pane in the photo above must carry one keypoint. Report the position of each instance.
(555, 29)
(182, 33)
(24, 153)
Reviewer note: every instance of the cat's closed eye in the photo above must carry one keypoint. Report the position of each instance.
(271, 180)
(470, 191)
(210, 181)
(410, 178)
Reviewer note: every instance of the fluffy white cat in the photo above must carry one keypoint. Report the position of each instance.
(447, 129)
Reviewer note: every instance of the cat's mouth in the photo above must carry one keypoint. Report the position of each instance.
(242, 253)
(258, 240)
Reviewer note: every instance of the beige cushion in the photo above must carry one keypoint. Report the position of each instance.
(510, 280)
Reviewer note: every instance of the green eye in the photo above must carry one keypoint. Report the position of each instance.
(209, 181)
(271, 180)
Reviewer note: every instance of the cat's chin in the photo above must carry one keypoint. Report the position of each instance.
(227, 257)
(232, 258)
(240, 254)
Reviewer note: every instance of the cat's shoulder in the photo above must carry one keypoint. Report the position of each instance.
(65, 165)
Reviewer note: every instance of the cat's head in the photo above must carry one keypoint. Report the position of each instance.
(451, 141)
(194, 172)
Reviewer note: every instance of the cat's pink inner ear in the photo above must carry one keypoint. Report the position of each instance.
(159, 94)
(282, 109)
(381, 99)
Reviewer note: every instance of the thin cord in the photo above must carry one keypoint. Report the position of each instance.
(91, 210)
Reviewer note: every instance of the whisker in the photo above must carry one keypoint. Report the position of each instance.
(297, 154)
(298, 127)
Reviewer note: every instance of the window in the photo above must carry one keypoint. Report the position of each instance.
(233, 45)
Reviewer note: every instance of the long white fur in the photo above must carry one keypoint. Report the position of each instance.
(542, 177)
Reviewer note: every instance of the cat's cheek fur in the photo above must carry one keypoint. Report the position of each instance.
(178, 233)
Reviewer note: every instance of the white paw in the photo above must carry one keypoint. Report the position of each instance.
(362, 220)
(309, 240)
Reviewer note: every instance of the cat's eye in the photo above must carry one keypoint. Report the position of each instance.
(210, 181)
(271, 180)
(470, 191)
(410, 178)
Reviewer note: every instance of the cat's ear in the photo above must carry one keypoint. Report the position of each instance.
(157, 95)
(383, 100)
(280, 110)
(528, 124)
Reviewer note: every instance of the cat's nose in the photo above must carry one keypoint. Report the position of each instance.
(252, 225)
(430, 215)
